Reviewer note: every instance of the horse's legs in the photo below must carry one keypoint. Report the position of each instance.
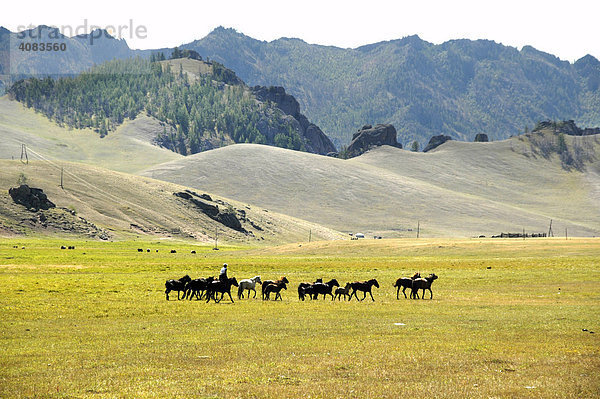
(364, 295)
(431, 292)
(398, 293)
(167, 293)
(229, 292)
(370, 293)
(403, 291)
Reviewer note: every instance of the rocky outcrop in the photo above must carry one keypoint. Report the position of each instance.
(33, 199)
(567, 127)
(436, 141)
(226, 218)
(368, 137)
(481, 138)
(315, 140)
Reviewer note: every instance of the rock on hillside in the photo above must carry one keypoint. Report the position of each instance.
(481, 138)
(368, 137)
(436, 141)
(33, 199)
(316, 141)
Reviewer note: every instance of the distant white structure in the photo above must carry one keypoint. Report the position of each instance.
(359, 235)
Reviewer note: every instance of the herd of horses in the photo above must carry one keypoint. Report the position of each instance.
(209, 288)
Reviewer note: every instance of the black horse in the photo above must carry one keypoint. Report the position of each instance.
(307, 289)
(197, 287)
(324, 289)
(423, 284)
(364, 286)
(405, 282)
(224, 287)
(177, 285)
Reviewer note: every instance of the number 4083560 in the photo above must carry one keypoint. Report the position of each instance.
(43, 46)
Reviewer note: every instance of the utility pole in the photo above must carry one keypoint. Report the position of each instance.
(309, 235)
(24, 154)
(550, 232)
(566, 234)
(523, 233)
(418, 228)
(61, 177)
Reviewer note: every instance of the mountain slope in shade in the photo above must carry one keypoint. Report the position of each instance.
(459, 88)
(458, 189)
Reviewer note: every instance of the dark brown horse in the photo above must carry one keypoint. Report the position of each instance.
(422, 284)
(324, 289)
(307, 289)
(276, 288)
(282, 279)
(224, 287)
(405, 282)
(176, 285)
(342, 291)
(197, 287)
(364, 286)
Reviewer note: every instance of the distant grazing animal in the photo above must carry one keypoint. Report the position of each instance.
(176, 285)
(342, 291)
(224, 287)
(140, 250)
(405, 282)
(173, 251)
(71, 247)
(148, 250)
(193, 252)
(324, 289)
(282, 279)
(422, 284)
(276, 288)
(63, 247)
(248, 284)
(364, 286)
(197, 287)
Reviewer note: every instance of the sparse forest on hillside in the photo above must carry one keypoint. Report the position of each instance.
(205, 113)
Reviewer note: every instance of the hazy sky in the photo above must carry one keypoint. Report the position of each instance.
(568, 29)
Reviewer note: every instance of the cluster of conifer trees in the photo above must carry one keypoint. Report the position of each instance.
(207, 111)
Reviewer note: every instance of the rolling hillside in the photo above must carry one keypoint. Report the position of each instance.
(101, 204)
(128, 149)
(459, 189)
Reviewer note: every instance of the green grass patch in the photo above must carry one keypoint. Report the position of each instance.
(93, 322)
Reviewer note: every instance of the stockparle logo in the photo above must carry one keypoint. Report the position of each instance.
(63, 50)
(93, 32)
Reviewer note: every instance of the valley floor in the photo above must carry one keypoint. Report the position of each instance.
(507, 319)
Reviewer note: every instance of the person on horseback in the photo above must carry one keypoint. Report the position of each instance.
(223, 273)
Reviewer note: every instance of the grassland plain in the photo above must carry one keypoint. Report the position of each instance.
(93, 322)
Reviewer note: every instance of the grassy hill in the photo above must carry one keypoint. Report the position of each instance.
(459, 189)
(128, 149)
(98, 203)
